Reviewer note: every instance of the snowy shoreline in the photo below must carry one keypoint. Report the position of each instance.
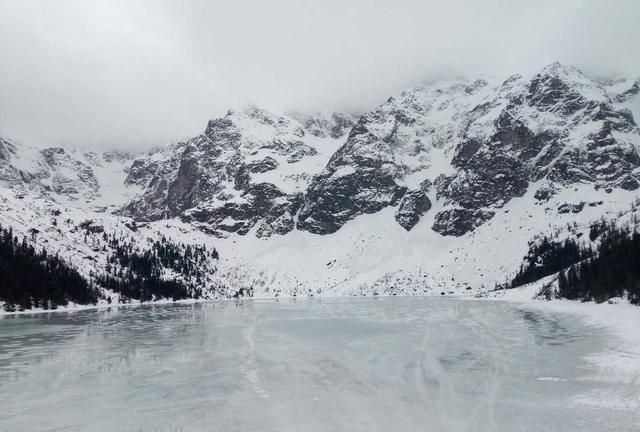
(100, 306)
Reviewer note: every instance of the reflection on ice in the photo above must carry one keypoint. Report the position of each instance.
(407, 364)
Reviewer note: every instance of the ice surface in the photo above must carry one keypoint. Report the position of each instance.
(363, 364)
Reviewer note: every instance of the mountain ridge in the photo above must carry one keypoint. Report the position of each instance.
(403, 199)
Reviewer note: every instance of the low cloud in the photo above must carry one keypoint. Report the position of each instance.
(132, 74)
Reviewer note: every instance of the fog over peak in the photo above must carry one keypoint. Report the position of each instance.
(133, 74)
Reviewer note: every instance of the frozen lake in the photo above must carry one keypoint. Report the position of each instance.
(375, 364)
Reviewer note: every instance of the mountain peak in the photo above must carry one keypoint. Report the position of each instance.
(560, 70)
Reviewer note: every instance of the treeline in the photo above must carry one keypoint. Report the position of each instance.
(141, 275)
(548, 257)
(133, 286)
(30, 278)
(610, 269)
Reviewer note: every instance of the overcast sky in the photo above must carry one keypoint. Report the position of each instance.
(130, 74)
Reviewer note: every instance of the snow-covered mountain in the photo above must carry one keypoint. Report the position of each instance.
(439, 189)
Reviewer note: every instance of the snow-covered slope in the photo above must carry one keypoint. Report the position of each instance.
(439, 189)
(81, 179)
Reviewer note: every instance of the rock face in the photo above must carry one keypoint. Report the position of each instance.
(414, 204)
(359, 178)
(459, 221)
(560, 126)
(344, 194)
(260, 202)
(68, 176)
(571, 208)
(248, 169)
(54, 172)
(334, 125)
(9, 174)
(388, 150)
